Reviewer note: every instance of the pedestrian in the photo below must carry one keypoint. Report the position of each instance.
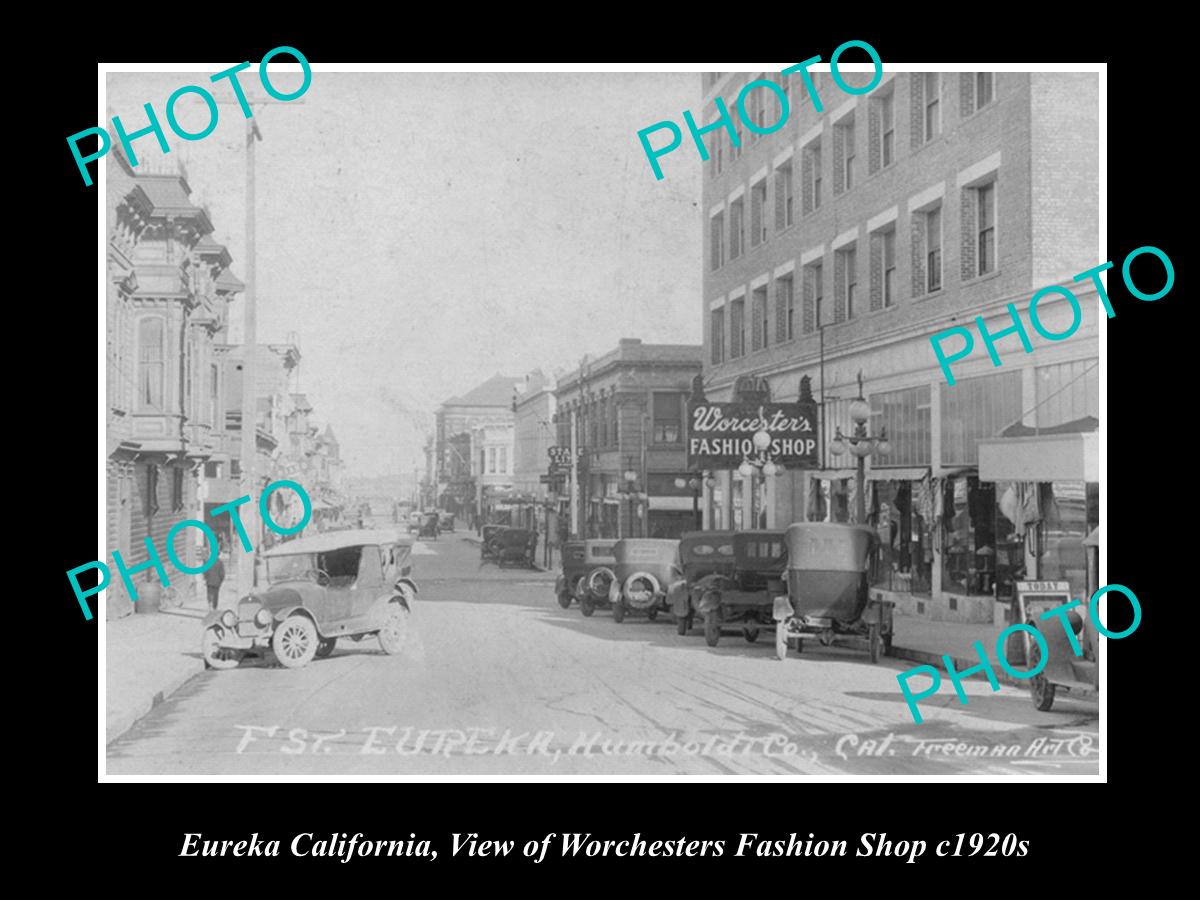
(214, 575)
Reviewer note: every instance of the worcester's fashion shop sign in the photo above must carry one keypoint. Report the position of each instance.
(722, 435)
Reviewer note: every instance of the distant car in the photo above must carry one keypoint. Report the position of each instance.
(352, 584)
(445, 520)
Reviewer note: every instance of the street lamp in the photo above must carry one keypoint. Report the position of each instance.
(861, 445)
(695, 481)
(760, 461)
(630, 490)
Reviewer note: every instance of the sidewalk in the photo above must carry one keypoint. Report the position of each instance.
(149, 656)
(925, 641)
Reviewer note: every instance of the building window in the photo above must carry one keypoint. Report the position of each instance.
(755, 112)
(887, 127)
(811, 162)
(933, 107)
(977, 408)
(177, 476)
(906, 416)
(758, 329)
(785, 309)
(847, 275)
(816, 281)
(844, 151)
(668, 416)
(889, 267)
(717, 229)
(212, 470)
(737, 235)
(503, 460)
(758, 213)
(985, 218)
(214, 396)
(933, 250)
(151, 363)
(491, 460)
(784, 201)
(718, 335)
(1067, 392)
(150, 506)
(983, 89)
(235, 468)
(737, 328)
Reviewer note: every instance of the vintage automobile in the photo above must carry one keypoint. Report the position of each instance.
(587, 572)
(351, 584)
(511, 547)
(730, 579)
(828, 594)
(426, 525)
(644, 572)
(1078, 675)
(445, 520)
(702, 555)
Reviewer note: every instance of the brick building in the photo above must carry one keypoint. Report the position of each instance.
(628, 407)
(533, 435)
(841, 242)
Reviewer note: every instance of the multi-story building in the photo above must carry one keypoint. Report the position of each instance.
(473, 449)
(842, 242)
(533, 436)
(628, 407)
(168, 291)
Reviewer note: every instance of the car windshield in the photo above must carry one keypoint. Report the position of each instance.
(290, 568)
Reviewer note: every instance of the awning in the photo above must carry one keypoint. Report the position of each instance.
(1045, 457)
(670, 504)
(910, 473)
(832, 474)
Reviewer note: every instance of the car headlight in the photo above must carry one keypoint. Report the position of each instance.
(229, 619)
(262, 618)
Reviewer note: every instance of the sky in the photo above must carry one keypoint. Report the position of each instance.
(419, 232)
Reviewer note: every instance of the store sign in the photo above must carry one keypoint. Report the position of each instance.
(721, 435)
(560, 457)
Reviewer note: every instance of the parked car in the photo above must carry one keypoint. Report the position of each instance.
(426, 525)
(738, 588)
(511, 547)
(828, 594)
(445, 520)
(343, 584)
(645, 570)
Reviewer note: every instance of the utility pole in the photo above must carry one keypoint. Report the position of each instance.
(249, 448)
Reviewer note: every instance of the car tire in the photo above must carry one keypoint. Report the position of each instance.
(750, 634)
(325, 647)
(874, 642)
(214, 656)
(683, 624)
(587, 606)
(395, 629)
(295, 642)
(619, 611)
(652, 614)
(564, 600)
(712, 628)
(1040, 688)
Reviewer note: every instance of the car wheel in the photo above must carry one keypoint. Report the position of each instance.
(652, 614)
(325, 647)
(874, 642)
(215, 656)
(587, 606)
(295, 642)
(712, 628)
(619, 611)
(751, 634)
(1040, 688)
(683, 623)
(394, 630)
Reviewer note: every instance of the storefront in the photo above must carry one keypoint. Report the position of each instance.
(1046, 484)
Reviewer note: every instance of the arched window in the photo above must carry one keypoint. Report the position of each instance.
(151, 363)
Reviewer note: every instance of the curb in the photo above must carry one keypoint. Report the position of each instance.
(928, 657)
(127, 720)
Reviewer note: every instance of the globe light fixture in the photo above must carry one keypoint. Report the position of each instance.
(762, 440)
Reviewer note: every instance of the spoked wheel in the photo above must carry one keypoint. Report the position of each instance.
(587, 605)
(683, 624)
(750, 633)
(712, 628)
(394, 630)
(295, 642)
(326, 647)
(564, 600)
(1039, 687)
(619, 611)
(216, 656)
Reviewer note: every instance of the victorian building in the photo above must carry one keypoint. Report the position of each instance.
(168, 290)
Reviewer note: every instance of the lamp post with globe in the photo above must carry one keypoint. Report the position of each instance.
(861, 445)
(695, 481)
(759, 462)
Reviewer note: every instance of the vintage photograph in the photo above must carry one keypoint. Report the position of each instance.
(503, 456)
